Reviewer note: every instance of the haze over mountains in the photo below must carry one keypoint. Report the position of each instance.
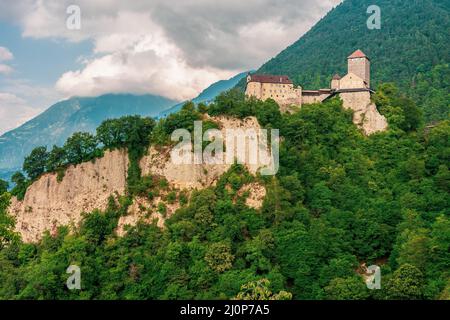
(62, 119)
(209, 93)
(58, 122)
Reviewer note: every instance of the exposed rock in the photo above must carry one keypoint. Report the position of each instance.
(146, 211)
(256, 194)
(85, 187)
(373, 121)
(194, 176)
(366, 115)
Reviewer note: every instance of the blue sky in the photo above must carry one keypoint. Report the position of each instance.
(36, 66)
(173, 49)
(41, 61)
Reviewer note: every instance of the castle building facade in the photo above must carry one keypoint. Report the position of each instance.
(353, 89)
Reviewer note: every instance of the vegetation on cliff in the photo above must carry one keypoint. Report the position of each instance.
(340, 199)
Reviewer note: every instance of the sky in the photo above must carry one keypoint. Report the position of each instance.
(172, 48)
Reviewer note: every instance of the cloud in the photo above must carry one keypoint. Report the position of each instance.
(21, 100)
(5, 54)
(5, 69)
(14, 111)
(172, 48)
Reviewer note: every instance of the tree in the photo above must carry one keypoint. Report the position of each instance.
(402, 112)
(108, 133)
(202, 108)
(7, 234)
(351, 288)
(21, 185)
(260, 290)
(129, 131)
(18, 178)
(407, 283)
(219, 257)
(34, 164)
(4, 185)
(56, 158)
(80, 147)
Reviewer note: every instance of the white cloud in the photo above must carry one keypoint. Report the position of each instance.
(5, 54)
(5, 69)
(173, 48)
(14, 111)
(140, 64)
(21, 100)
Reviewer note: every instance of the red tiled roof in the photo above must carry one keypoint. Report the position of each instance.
(357, 54)
(336, 77)
(270, 79)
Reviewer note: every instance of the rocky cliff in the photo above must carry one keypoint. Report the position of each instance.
(49, 203)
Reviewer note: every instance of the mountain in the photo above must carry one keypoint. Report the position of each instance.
(342, 206)
(411, 49)
(208, 95)
(62, 119)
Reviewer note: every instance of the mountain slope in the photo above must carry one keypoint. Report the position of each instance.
(209, 93)
(414, 37)
(62, 119)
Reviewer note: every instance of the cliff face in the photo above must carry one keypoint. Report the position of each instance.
(85, 187)
(49, 203)
(366, 115)
(188, 176)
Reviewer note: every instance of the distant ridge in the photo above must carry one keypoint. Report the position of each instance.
(58, 122)
(208, 95)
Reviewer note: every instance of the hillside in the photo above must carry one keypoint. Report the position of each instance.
(339, 202)
(51, 202)
(62, 119)
(142, 227)
(411, 49)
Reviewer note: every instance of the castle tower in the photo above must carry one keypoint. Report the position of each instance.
(359, 64)
(335, 82)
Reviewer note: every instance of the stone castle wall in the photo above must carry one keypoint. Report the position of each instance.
(361, 68)
(283, 94)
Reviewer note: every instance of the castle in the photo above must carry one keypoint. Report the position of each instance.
(353, 89)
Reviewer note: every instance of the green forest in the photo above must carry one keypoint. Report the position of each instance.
(411, 49)
(339, 200)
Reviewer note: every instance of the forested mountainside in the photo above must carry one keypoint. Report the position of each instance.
(340, 201)
(411, 49)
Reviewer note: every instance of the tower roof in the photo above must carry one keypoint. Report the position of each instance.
(358, 54)
(270, 79)
(337, 77)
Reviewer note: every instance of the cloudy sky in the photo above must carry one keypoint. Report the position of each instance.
(171, 48)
